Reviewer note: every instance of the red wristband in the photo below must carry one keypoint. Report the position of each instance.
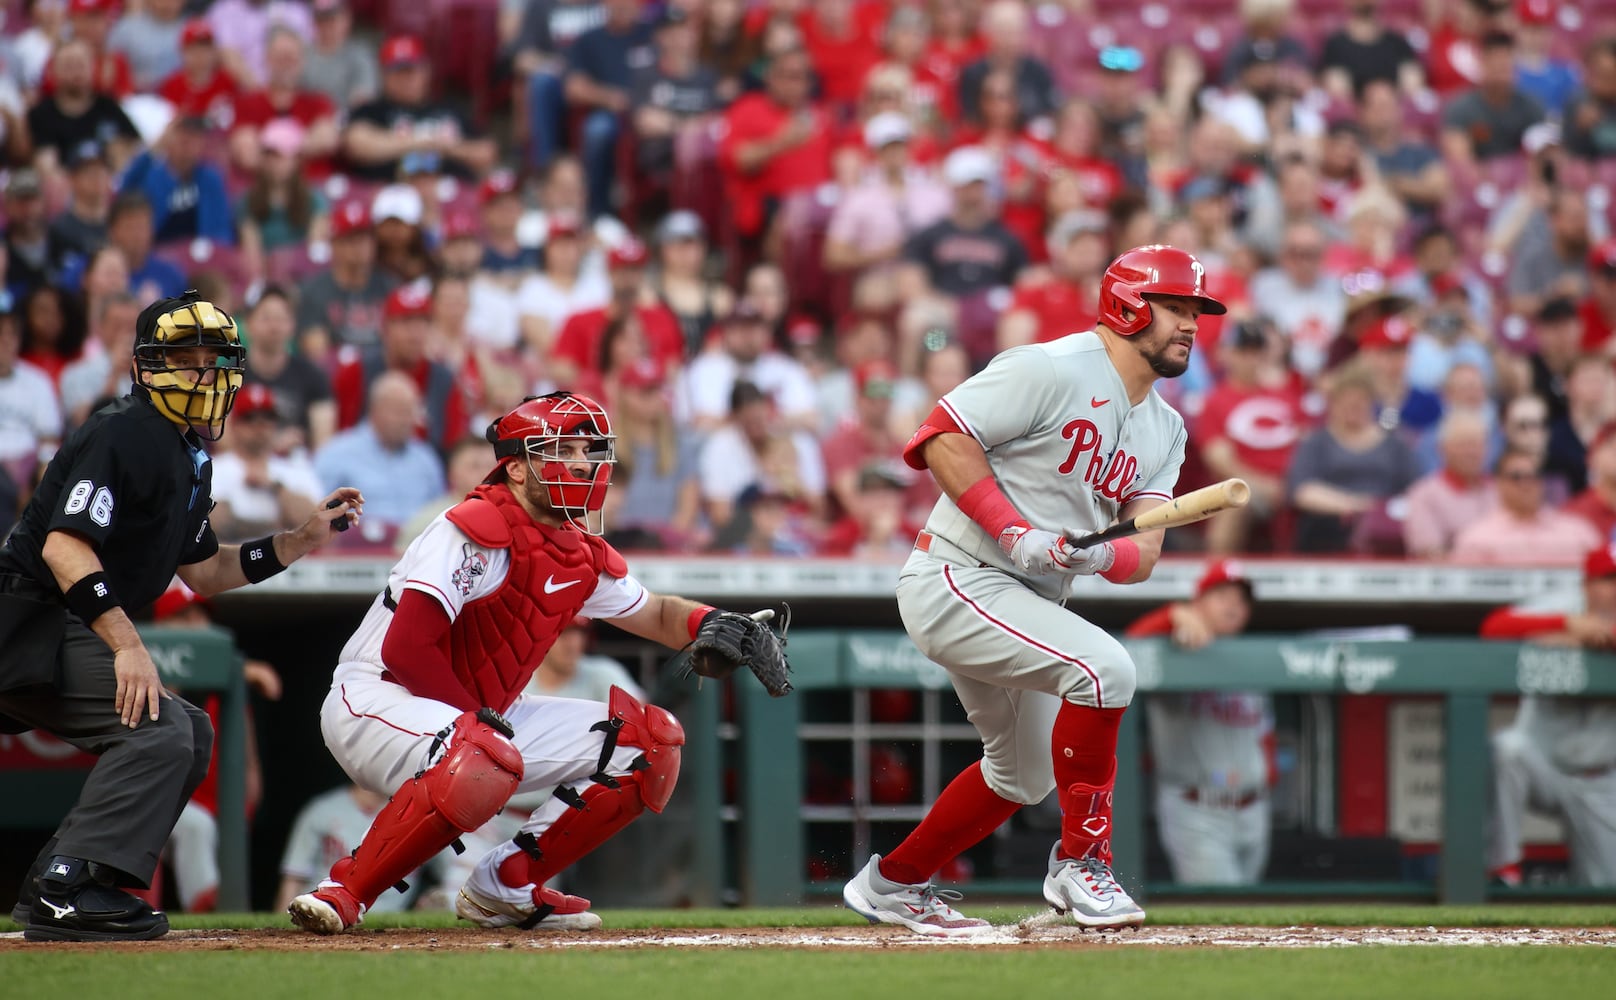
(1124, 560)
(987, 505)
(693, 623)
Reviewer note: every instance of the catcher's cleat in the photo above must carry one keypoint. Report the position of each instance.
(923, 909)
(539, 909)
(72, 905)
(330, 909)
(1087, 891)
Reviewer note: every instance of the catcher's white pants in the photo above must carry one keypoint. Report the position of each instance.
(1212, 845)
(193, 851)
(1524, 776)
(1012, 656)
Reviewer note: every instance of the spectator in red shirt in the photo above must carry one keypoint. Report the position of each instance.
(1248, 428)
(932, 98)
(1065, 299)
(1075, 149)
(91, 21)
(1597, 503)
(876, 525)
(843, 39)
(1598, 310)
(284, 97)
(864, 438)
(777, 143)
(406, 331)
(1020, 159)
(201, 86)
(577, 347)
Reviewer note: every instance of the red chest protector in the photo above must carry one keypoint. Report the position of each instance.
(498, 640)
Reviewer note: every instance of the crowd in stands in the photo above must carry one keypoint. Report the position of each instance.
(769, 234)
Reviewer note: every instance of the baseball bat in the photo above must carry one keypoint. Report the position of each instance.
(1196, 505)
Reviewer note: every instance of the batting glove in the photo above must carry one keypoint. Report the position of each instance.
(1035, 551)
(1089, 561)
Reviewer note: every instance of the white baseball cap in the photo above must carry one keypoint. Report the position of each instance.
(886, 128)
(397, 201)
(968, 165)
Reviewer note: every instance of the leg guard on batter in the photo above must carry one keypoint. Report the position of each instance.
(1086, 819)
(610, 802)
(467, 786)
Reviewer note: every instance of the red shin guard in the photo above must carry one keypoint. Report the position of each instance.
(466, 788)
(967, 811)
(600, 813)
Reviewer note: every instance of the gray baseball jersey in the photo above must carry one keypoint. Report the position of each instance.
(1063, 442)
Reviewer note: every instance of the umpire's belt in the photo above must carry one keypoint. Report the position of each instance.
(22, 585)
(947, 551)
(1222, 798)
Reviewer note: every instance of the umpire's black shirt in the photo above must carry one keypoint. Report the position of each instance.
(132, 485)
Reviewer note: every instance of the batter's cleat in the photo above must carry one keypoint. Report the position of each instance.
(923, 909)
(329, 909)
(536, 909)
(72, 905)
(1087, 891)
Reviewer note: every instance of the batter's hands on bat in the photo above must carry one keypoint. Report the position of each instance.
(1089, 561)
(1035, 551)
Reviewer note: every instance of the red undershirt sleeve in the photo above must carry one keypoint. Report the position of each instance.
(416, 651)
(1506, 623)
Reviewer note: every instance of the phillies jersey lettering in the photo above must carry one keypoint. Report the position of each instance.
(1063, 442)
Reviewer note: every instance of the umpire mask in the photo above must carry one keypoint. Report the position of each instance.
(189, 361)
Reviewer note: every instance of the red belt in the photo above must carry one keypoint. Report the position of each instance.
(1230, 802)
(923, 543)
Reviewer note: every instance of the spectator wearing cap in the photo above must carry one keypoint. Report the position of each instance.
(577, 346)
(1448, 336)
(255, 490)
(745, 353)
(1411, 167)
(302, 388)
(75, 113)
(385, 453)
(1522, 530)
(405, 120)
(1214, 749)
(337, 65)
(1365, 50)
(1066, 299)
(560, 289)
(101, 373)
(90, 21)
(1306, 304)
(1348, 468)
(80, 228)
(283, 97)
(406, 330)
(1591, 118)
(1005, 30)
(1488, 121)
(659, 499)
(199, 84)
(1554, 254)
(403, 216)
(1248, 427)
(895, 199)
(1383, 349)
(563, 190)
(754, 450)
(776, 143)
(864, 437)
(1542, 75)
(460, 248)
(600, 68)
(680, 279)
(1458, 493)
(341, 305)
(1557, 340)
(1598, 307)
(281, 211)
(130, 231)
(877, 522)
(1120, 96)
(677, 92)
(32, 260)
(149, 40)
(1597, 503)
(1440, 275)
(185, 189)
(31, 417)
(500, 200)
(243, 27)
(1590, 405)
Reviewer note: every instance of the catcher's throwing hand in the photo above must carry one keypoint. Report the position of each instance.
(728, 640)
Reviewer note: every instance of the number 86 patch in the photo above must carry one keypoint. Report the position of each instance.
(85, 495)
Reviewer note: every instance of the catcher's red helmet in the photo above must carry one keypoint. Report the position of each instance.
(1151, 270)
(535, 430)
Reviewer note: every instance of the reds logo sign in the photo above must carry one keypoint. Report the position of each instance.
(1112, 479)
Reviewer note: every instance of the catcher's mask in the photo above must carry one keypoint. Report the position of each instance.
(536, 430)
(197, 395)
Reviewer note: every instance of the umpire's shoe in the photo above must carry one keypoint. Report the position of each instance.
(72, 905)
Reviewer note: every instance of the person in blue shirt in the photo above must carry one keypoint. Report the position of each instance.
(130, 229)
(600, 68)
(186, 192)
(382, 450)
(1552, 82)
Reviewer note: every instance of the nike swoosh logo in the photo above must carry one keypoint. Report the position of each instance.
(1097, 403)
(551, 587)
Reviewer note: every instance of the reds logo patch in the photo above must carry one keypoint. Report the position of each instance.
(473, 566)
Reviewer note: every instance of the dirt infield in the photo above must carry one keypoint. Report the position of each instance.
(1038, 932)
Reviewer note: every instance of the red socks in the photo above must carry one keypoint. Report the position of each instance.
(967, 811)
(1085, 747)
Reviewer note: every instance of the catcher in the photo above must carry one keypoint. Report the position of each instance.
(426, 704)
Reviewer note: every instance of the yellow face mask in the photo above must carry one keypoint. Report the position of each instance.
(191, 365)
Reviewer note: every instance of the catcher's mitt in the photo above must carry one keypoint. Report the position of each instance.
(728, 640)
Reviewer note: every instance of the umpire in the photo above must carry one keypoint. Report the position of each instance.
(122, 507)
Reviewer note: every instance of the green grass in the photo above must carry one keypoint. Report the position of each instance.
(1221, 915)
(670, 974)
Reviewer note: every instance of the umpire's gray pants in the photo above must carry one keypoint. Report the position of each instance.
(144, 776)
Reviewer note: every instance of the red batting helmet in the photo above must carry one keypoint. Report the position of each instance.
(536, 429)
(1151, 270)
